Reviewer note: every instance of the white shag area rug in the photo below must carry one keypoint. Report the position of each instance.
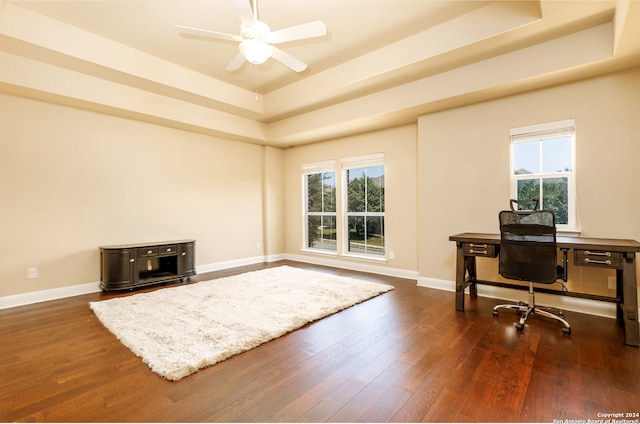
(179, 330)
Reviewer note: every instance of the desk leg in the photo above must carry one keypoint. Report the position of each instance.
(464, 265)
(471, 269)
(461, 270)
(629, 303)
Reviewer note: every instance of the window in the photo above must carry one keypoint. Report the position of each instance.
(320, 210)
(364, 200)
(543, 167)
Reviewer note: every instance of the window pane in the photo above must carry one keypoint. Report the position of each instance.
(314, 224)
(528, 190)
(556, 154)
(356, 193)
(366, 235)
(366, 189)
(555, 198)
(356, 234)
(375, 235)
(314, 193)
(321, 192)
(526, 157)
(329, 191)
(375, 188)
(321, 232)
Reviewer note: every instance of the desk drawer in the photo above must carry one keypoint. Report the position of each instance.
(601, 258)
(479, 249)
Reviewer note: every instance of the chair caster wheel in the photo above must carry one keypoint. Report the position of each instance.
(495, 313)
(566, 330)
(520, 326)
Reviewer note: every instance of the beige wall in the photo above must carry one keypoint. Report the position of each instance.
(71, 181)
(463, 164)
(399, 148)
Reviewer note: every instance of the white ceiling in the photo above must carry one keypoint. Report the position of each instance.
(365, 74)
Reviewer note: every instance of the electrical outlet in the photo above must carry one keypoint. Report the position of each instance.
(258, 245)
(32, 272)
(392, 255)
(611, 282)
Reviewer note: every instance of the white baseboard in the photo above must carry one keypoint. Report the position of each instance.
(354, 266)
(275, 258)
(46, 295)
(218, 266)
(566, 303)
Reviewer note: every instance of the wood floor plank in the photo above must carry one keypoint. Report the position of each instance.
(371, 395)
(387, 407)
(296, 409)
(406, 355)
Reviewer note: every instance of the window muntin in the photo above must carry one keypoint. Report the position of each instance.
(543, 163)
(321, 230)
(365, 210)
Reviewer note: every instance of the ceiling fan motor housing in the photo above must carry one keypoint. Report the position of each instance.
(256, 31)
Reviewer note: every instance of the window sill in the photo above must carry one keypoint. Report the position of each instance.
(365, 257)
(370, 258)
(568, 233)
(320, 252)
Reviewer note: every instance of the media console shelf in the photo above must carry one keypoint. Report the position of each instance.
(128, 266)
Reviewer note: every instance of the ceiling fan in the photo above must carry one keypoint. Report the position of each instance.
(257, 40)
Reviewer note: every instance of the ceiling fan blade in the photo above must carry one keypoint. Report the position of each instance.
(243, 8)
(206, 33)
(298, 32)
(287, 60)
(236, 62)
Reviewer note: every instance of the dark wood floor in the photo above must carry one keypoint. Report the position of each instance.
(406, 355)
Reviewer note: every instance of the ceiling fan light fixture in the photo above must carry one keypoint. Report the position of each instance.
(256, 51)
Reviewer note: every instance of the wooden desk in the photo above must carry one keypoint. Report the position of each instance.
(590, 252)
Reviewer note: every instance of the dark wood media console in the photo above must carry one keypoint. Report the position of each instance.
(128, 266)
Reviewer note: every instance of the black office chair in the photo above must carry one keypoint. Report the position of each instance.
(528, 252)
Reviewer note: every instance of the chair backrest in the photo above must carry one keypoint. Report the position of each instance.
(528, 249)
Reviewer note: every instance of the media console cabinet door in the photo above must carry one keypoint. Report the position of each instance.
(186, 259)
(117, 268)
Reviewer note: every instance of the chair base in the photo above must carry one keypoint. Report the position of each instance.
(531, 308)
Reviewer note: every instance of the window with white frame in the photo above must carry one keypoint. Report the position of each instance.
(320, 206)
(543, 168)
(364, 196)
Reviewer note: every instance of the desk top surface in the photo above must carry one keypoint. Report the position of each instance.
(618, 245)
